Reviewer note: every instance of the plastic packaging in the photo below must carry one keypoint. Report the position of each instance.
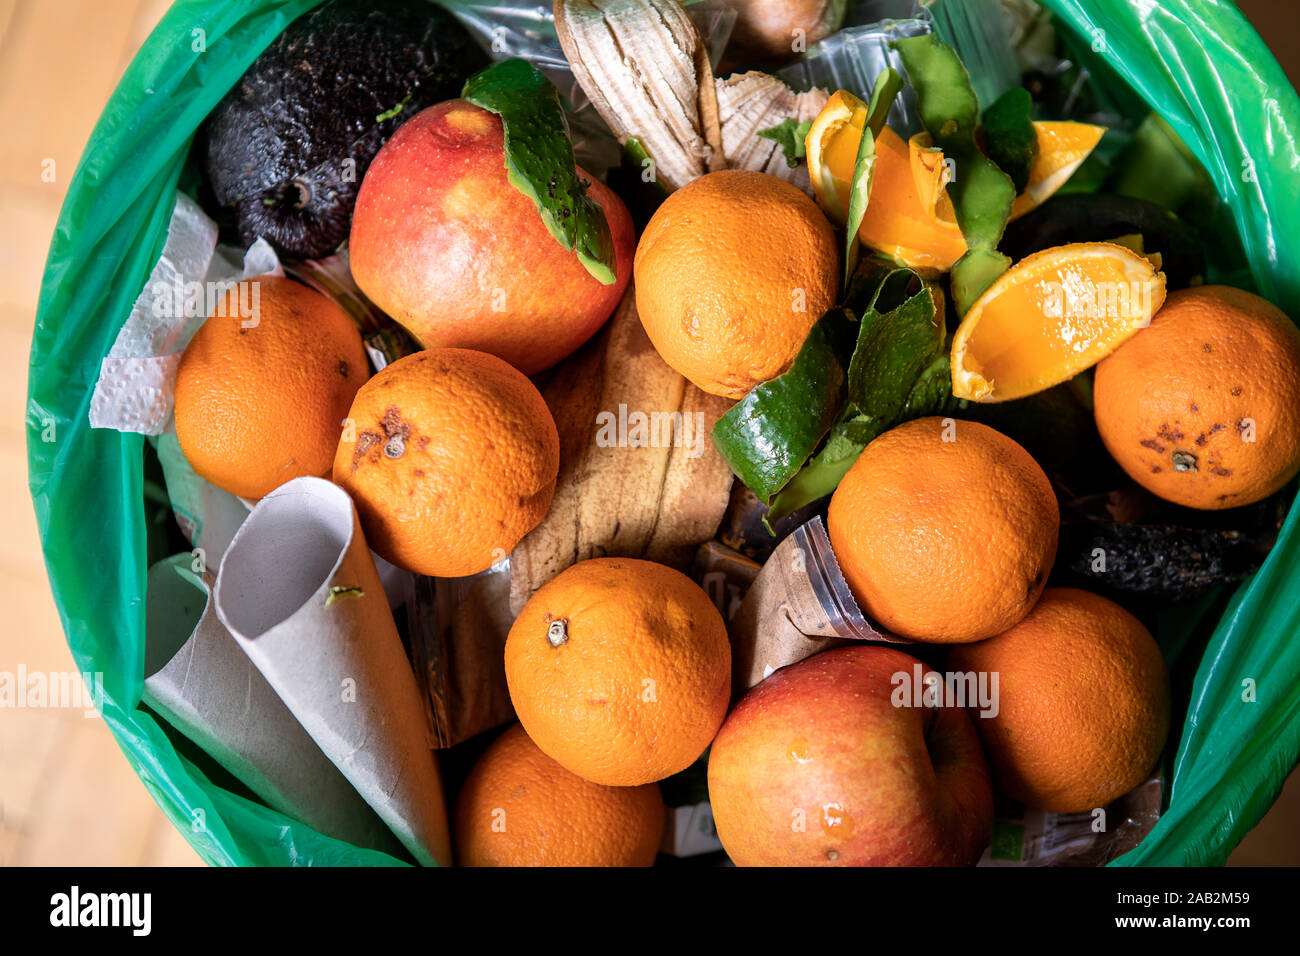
(1197, 62)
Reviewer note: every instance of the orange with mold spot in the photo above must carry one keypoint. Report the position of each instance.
(1203, 407)
(443, 243)
(451, 458)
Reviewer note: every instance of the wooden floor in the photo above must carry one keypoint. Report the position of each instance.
(67, 795)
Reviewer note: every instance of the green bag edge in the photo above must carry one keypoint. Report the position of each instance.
(1228, 769)
(1233, 756)
(87, 484)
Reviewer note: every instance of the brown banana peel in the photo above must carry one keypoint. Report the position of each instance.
(639, 475)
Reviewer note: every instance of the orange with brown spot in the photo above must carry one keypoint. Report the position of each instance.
(451, 457)
(1203, 407)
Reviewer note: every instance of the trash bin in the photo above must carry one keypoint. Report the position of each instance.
(1196, 62)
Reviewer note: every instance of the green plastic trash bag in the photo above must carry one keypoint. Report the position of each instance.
(1202, 67)
(1197, 62)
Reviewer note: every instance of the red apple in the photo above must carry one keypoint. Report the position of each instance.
(817, 766)
(445, 245)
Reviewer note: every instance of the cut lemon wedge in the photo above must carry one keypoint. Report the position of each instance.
(1062, 148)
(1051, 316)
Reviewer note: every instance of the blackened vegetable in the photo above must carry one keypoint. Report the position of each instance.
(1100, 217)
(1159, 561)
(288, 146)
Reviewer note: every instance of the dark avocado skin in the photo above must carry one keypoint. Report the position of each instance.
(277, 148)
(1098, 217)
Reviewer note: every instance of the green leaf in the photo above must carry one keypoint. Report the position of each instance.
(815, 480)
(540, 161)
(932, 392)
(766, 437)
(946, 100)
(899, 371)
(864, 168)
(883, 94)
(893, 349)
(1010, 139)
(973, 273)
(981, 197)
(981, 193)
(790, 136)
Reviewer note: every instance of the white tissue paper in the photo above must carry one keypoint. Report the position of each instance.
(137, 378)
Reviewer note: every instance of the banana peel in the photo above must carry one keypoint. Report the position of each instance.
(623, 490)
(646, 69)
(751, 102)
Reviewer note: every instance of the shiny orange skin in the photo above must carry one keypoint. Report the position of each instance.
(731, 272)
(945, 541)
(518, 807)
(816, 766)
(1203, 407)
(620, 669)
(1083, 702)
(451, 458)
(443, 243)
(261, 400)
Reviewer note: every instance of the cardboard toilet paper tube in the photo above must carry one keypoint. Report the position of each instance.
(798, 605)
(200, 681)
(298, 590)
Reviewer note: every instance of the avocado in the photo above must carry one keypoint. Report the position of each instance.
(286, 149)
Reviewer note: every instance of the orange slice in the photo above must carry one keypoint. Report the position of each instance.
(1051, 316)
(909, 213)
(901, 219)
(832, 149)
(1062, 148)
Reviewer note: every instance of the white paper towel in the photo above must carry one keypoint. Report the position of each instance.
(137, 378)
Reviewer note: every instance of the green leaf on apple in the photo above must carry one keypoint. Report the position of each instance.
(540, 161)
